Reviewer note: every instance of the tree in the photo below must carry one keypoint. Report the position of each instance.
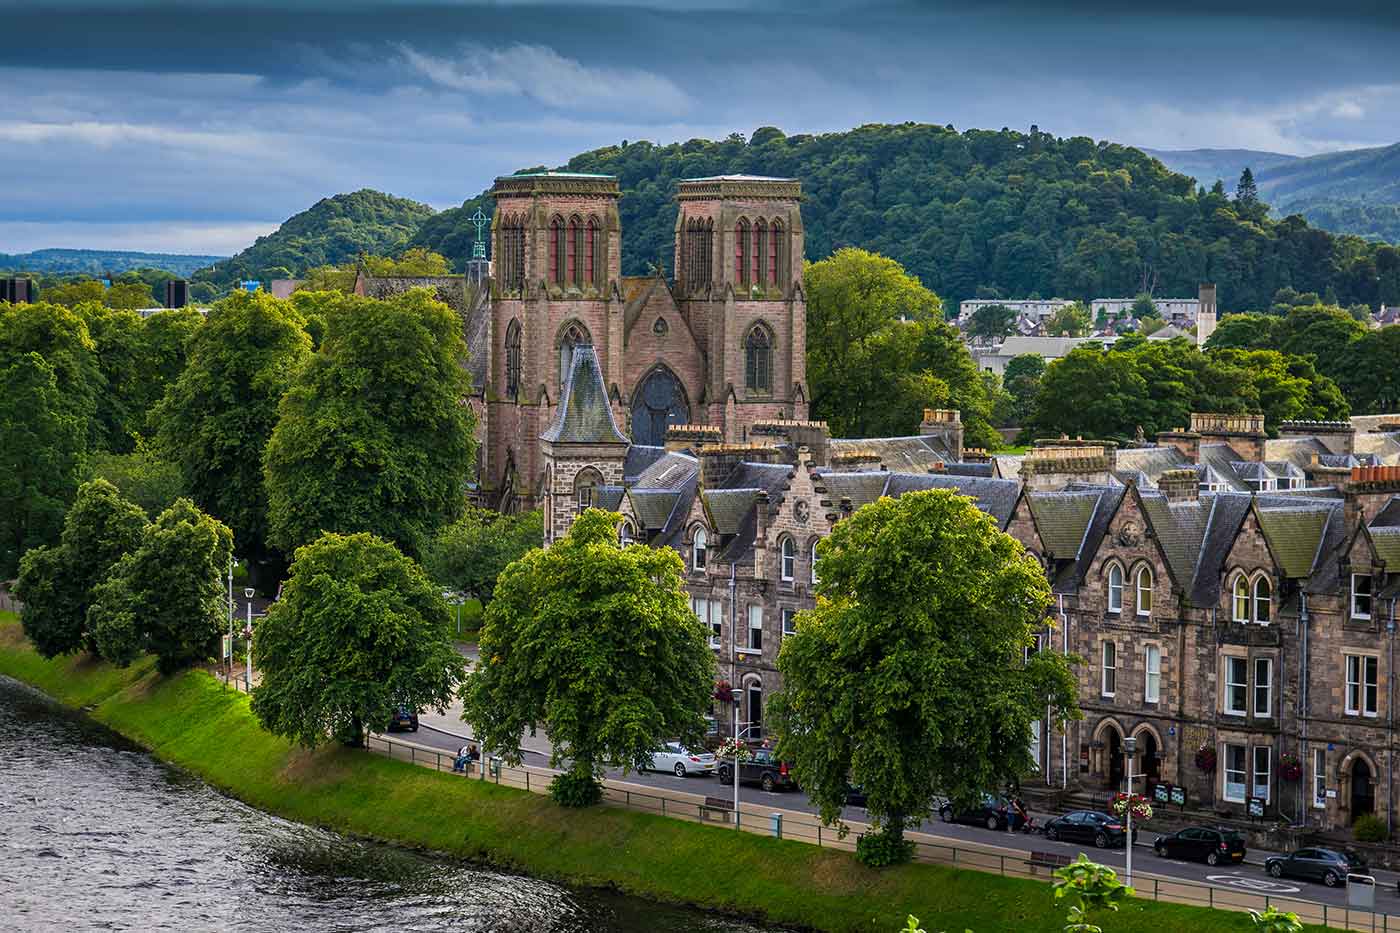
(1246, 191)
(415, 262)
(61, 337)
(1084, 886)
(50, 615)
(360, 631)
(1022, 381)
(100, 528)
(1072, 320)
(167, 596)
(1244, 332)
(128, 296)
(596, 644)
(217, 417)
(906, 678)
(991, 322)
(72, 294)
(375, 434)
(1144, 306)
(469, 554)
(1375, 374)
(141, 476)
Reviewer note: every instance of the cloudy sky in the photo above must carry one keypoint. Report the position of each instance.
(195, 125)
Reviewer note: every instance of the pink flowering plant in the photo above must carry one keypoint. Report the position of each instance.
(1136, 803)
(729, 749)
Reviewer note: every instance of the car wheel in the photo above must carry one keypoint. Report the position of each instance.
(1212, 859)
(1161, 850)
(993, 822)
(725, 777)
(415, 728)
(1101, 841)
(1052, 833)
(1276, 869)
(680, 770)
(767, 783)
(946, 814)
(1330, 879)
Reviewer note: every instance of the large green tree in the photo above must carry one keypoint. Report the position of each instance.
(469, 554)
(1072, 320)
(142, 476)
(991, 322)
(215, 420)
(907, 678)
(596, 644)
(167, 596)
(360, 630)
(61, 337)
(375, 434)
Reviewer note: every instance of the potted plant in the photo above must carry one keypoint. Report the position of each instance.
(1205, 759)
(732, 748)
(1136, 803)
(1289, 767)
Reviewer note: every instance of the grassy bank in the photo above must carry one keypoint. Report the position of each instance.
(191, 721)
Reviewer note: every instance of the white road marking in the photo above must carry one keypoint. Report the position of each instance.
(1260, 885)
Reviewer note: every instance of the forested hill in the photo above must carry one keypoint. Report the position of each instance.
(98, 261)
(998, 213)
(332, 231)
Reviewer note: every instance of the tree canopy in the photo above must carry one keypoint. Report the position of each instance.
(374, 433)
(596, 644)
(469, 554)
(991, 322)
(1072, 320)
(360, 630)
(907, 678)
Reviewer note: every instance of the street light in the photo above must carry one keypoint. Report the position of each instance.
(1129, 750)
(248, 634)
(456, 600)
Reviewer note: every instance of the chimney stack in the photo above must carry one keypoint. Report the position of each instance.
(1339, 437)
(1179, 485)
(945, 423)
(1244, 433)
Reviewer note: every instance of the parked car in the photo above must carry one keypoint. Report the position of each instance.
(855, 795)
(762, 769)
(1101, 829)
(403, 720)
(1212, 846)
(991, 813)
(676, 758)
(1330, 866)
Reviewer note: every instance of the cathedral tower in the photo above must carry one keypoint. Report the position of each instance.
(738, 268)
(556, 266)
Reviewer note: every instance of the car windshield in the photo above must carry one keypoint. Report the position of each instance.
(1229, 835)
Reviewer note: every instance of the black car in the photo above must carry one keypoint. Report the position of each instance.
(1089, 826)
(762, 769)
(855, 795)
(991, 813)
(1330, 866)
(1211, 846)
(403, 720)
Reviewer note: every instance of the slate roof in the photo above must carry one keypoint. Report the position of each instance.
(862, 488)
(608, 498)
(1151, 461)
(1295, 536)
(909, 454)
(727, 508)
(672, 470)
(996, 497)
(638, 459)
(1389, 515)
(1386, 541)
(1062, 519)
(1226, 513)
(1180, 528)
(652, 506)
(970, 469)
(585, 415)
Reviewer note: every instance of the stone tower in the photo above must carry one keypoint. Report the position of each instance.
(555, 273)
(738, 265)
(1205, 316)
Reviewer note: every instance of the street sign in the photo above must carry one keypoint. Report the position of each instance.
(1162, 793)
(1256, 807)
(1179, 796)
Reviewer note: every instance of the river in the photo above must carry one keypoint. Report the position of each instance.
(98, 835)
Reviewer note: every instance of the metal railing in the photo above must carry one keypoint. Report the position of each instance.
(804, 827)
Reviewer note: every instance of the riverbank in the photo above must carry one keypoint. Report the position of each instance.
(191, 721)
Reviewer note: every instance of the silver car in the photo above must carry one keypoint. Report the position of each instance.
(681, 761)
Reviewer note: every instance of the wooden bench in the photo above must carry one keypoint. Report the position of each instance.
(1049, 859)
(719, 807)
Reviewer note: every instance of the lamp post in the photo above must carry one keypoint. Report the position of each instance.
(248, 634)
(456, 600)
(1129, 750)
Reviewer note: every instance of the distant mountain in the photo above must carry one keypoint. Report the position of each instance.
(97, 261)
(332, 231)
(1356, 191)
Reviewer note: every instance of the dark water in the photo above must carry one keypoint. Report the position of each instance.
(97, 835)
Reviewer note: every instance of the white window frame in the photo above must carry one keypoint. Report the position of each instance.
(788, 558)
(1152, 673)
(1139, 589)
(1319, 777)
(711, 613)
(1225, 771)
(1254, 772)
(1035, 744)
(814, 563)
(789, 622)
(1240, 600)
(1366, 690)
(625, 534)
(1267, 601)
(1267, 687)
(1368, 596)
(1108, 658)
(698, 545)
(1115, 589)
(755, 625)
(1227, 694)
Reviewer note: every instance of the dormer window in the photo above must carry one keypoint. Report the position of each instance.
(1115, 588)
(1144, 592)
(697, 550)
(1361, 596)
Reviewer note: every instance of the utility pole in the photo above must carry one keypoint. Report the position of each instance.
(248, 634)
(1129, 749)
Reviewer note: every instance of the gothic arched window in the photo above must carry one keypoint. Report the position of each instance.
(512, 261)
(775, 254)
(1263, 601)
(574, 335)
(590, 272)
(741, 252)
(789, 557)
(575, 251)
(758, 360)
(556, 250)
(1240, 599)
(513, 360)
(760, 252)
(586, 488)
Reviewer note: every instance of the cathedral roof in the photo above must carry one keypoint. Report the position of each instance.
(585, 416)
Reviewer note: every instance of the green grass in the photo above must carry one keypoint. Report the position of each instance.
(191, 721)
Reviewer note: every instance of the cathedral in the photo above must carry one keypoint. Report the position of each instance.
(722, 345)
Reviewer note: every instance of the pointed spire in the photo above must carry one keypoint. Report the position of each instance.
(584, 415)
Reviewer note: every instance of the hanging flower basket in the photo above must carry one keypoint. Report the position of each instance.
(724, 692)
(1141, 809)
(729, 749)
(1290, 768)
(1205, 759)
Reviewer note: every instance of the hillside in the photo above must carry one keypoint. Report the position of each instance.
(97, 261)
(332, 231)
(991, 212)
(1357, 191)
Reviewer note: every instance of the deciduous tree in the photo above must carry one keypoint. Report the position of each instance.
(1072, 320)
(596, 644)
(907, 678)
(469, 554)
(991, 322)
(360, 630)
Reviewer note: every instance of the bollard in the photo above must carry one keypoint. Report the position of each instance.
(775, 821)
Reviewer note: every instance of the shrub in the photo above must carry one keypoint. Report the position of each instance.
(1370, 828)
(572, 789)
(884, 848)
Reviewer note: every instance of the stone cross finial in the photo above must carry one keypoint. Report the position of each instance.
(478, 220)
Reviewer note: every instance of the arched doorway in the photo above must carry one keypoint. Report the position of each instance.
(659, 402)
(1113, 749)
(753, 691)
(1363, 788)
(1148, 760)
